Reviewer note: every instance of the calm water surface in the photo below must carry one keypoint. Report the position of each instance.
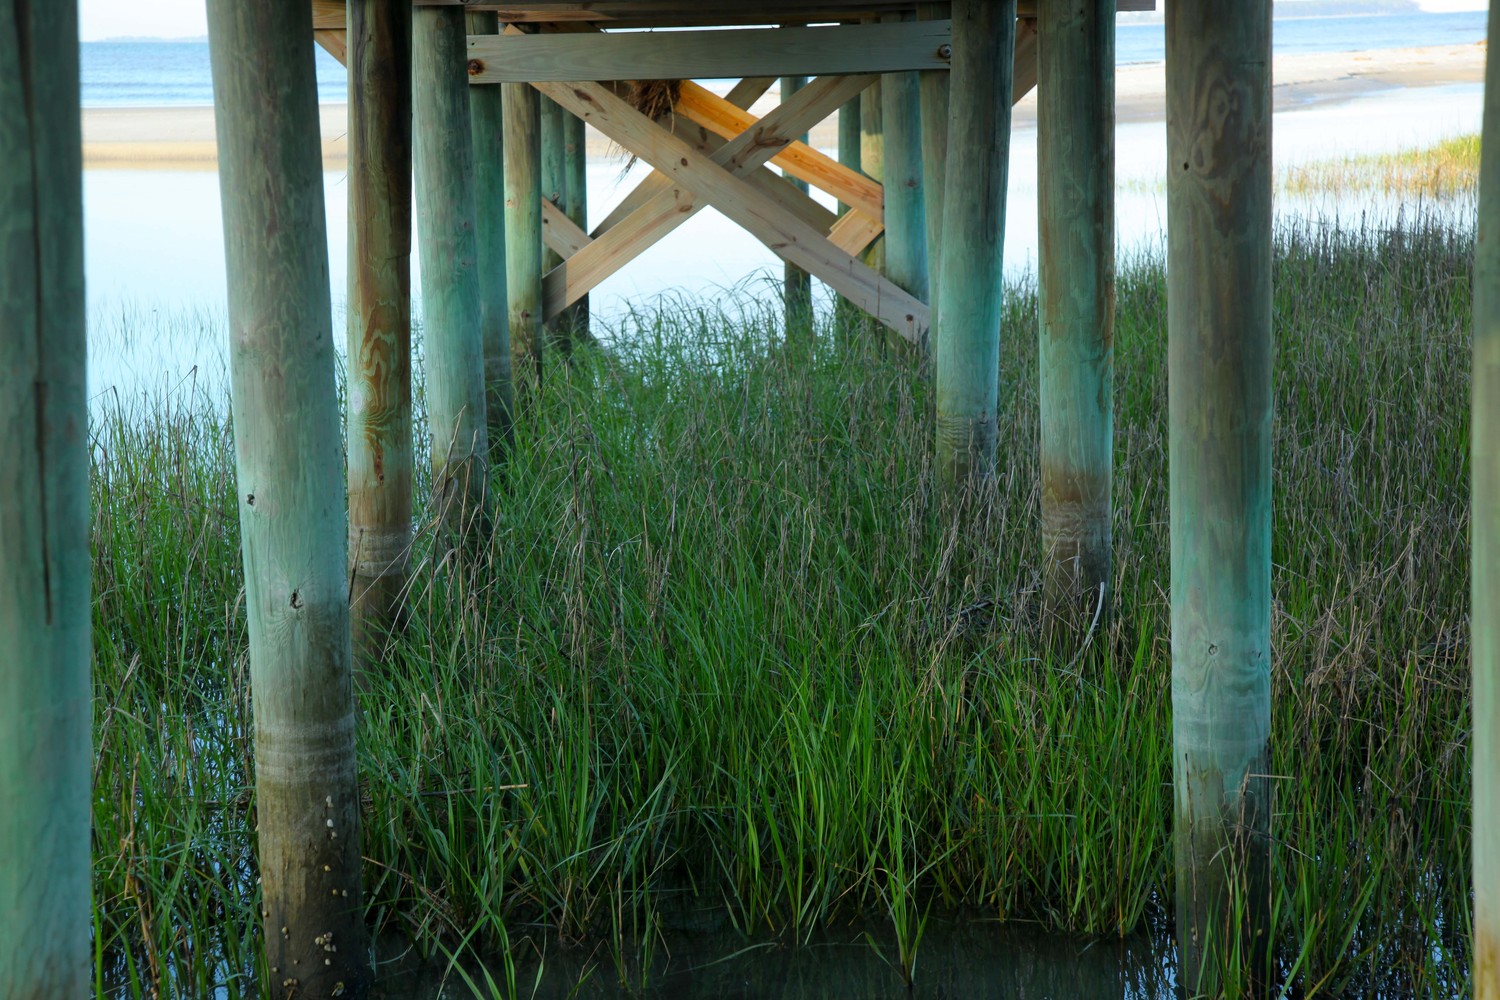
(154, 250)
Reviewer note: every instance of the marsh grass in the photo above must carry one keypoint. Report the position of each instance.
(1447, 169)
(728, 654)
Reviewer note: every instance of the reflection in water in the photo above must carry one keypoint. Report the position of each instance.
(959, 958)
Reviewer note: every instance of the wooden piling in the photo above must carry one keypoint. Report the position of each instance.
(576, 193)
(554, 161)
(379, 451)
(1075, 187)
(291, 504)
(451, 324)
(1220, 414)
(905, 207)
(846, 316)
(872, 155)
(796, 283)
(933, 90)
(485, 119)
(45, 692)
(523, 228)
(1484, 577)
(968, 337)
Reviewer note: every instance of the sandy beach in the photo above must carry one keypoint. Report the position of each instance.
(183, 138)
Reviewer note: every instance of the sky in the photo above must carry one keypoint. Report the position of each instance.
(153, 18)
(185, 18)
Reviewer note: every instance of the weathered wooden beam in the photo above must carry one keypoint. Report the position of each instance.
(905, 205)
(867, 48)
(561, 234)
(379, 450)
(1075, 189)
(676, 13)
(1024, 75)
(755, 211)
(288, 464)
(453, 337)
(854, 232)
(670, 208)
(486, 122)
(968, 341)
(741, 96)
(1484, 575)
(523, 229)
(1219, 351)
(799, 160)
(334, 42)
(329, 15)
(45, 691)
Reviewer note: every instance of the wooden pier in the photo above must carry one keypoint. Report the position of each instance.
(476, 97)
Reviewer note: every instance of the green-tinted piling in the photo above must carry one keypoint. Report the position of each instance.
(45, 694)
(968, 339)
(905, 205)
(846, 314)
(872, 155)
(1485, 528)
(1075, 187)
(291, 497)
(934, 101)
(523, 227)
(379, 452)
(796, 283)
(451, 323)
(485, 117)
(1219, 409)
(576, 194)
(554, 189)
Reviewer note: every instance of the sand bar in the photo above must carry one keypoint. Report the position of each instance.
(183, 138)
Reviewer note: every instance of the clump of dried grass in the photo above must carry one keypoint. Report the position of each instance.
(656, 99)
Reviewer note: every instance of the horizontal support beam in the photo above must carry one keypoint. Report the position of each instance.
(329, 15)
(699, 55)
(678, 13)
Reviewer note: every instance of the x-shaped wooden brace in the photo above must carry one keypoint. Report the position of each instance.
(730, 178)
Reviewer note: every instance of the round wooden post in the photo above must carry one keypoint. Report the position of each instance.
(1485, 526)
(45, 695)
(576, 193)
(485, 119)
(968, 337)
(846, 314)
(379, 320)
(1075, 187)
(291, 502)
(554, 185)
(905, 208)
(452, 334)
(523, 227)
(872, 155)
(1219, 403)
(796, 283)
(933, 89)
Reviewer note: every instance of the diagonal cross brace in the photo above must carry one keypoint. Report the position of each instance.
(710, 178)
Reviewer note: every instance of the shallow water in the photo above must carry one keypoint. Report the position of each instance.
(959, 957)
(155, 260)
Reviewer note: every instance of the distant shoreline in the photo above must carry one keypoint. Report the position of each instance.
(182, 138)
